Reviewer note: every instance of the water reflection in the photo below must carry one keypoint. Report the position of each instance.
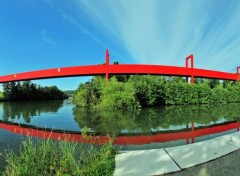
(155, 120)
(27, 110)
(135, 129)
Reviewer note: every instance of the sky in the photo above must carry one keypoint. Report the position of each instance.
(41, 34)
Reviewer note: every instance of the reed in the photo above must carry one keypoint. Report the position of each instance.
(48, 157)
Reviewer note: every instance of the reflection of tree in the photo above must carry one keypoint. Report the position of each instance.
(26, 110)
(105, 121)
(145, 120)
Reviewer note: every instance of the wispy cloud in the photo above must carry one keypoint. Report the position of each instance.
(77, 24)
(46, 38)
(166, 31)
(73, 21)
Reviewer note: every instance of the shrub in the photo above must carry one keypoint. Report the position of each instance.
(118, 95)
(149, 89)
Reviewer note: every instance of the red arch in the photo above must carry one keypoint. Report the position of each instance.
(121, 69)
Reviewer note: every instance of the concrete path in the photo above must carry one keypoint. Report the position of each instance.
(173, 159)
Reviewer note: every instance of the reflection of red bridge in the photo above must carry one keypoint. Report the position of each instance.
(124, 140)
(122, 69)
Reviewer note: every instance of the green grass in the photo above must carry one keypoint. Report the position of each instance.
(47, 157)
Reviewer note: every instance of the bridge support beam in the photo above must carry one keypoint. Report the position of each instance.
(107, 66)
(190, 57)
(238, 73)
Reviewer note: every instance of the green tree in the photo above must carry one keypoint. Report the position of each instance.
(88, 94)
(117, 95)
(150, 90)
(213, 83)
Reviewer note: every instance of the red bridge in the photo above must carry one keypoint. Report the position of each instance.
(123, 69)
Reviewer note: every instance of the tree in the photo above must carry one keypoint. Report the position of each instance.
(117, 95)
(150, 90)
(30, 91)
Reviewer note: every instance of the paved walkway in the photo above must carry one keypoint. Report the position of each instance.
(174, 159)
(228, 165)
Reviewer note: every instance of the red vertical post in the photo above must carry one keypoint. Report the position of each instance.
(107, 65)
(193, 137)
(190, 57)
(238, 73)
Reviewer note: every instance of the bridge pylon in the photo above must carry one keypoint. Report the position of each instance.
(107, 65)
(190, 57)
(238, 72)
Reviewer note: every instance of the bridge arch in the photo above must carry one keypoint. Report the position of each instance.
(123, 69)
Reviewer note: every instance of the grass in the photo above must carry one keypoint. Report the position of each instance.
(61, 158)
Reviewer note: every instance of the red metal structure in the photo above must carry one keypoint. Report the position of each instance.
(190, 57)
(123, 140)
(122, 69)
(107, 65)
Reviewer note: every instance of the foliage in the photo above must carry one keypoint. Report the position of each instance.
(154, 90)
(88, 94)
(48, 158)
(118, 95)
(30, 91)
(149, 89)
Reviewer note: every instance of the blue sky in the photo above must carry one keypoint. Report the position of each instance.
(41, 34)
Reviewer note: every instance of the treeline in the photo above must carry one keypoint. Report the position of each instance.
(141, 91)
(27, 90)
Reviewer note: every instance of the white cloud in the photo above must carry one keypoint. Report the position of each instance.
(77, 24)
(166, 31)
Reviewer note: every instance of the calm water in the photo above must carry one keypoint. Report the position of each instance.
(143, 129)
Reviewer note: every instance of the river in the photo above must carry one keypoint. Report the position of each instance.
(148, 128)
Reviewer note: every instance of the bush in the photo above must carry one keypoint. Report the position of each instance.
(88, 94)
(117, 95)
(149, 89)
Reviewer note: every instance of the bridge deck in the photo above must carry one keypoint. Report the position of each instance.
(122, 69)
